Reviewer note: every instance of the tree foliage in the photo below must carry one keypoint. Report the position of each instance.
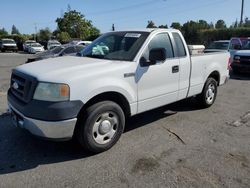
(220, 24)
(76, 25)
(3, 32)
(176, 25)
(151, 24)
(14, 30)
(44, 34)
(63, 37)
(163, 26)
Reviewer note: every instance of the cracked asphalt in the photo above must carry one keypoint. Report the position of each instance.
(213, 148)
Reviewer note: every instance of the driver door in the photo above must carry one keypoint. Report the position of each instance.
(158, 84)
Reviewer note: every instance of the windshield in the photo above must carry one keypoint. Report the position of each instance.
(219, 45)
(8, 41)
(247, 46)
(57, 50)
(116, 46)
(55, 44)
(36, 45)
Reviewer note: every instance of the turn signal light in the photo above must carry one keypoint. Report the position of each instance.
(64, 90)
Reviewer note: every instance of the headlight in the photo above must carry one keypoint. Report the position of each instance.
(52, 92)
(237, 57)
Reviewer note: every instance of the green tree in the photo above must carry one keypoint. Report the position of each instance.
(211, 25)
(75, 24)
(63, 37)
(191, 31)
(246, 22)
(163, 26)
(220, 24)
(151, 24)
(14, 30)
(3, 32)
(44, 34)
(202, 25)
(176, 25)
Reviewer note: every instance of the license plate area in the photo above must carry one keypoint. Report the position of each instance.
(17, 120)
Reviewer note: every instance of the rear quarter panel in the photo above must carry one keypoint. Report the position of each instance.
(205, 64)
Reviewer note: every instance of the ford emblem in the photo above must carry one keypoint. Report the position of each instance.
(15, 85)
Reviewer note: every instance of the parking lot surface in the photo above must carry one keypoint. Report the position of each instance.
(179, 145)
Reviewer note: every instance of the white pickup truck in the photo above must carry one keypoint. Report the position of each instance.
(119, 75)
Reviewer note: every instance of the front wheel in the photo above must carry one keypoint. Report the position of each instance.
(209, 93)
(101, 126)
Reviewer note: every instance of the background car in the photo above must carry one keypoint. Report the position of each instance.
(63, 50)
(34, 48)
(8, 45)
(52, 44)
(80, 42)
(220, 45)
(241, 60)
(27, 43)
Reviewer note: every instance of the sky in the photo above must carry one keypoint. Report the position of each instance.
(125, 14)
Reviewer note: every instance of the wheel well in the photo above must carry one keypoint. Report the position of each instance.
(110, 96)
(215, 75)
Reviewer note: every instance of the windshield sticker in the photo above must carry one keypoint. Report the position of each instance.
(133, 35)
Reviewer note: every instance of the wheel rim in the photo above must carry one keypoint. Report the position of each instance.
(105, 127)
(210, 94)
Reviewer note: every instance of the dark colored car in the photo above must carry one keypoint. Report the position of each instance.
(8, 45)
(56, 52)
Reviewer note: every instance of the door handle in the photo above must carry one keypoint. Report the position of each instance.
(175, 69)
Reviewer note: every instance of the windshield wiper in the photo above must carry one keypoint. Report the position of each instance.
(95, 56)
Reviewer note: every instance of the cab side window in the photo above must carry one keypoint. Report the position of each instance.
(180, 49)
(160, 41)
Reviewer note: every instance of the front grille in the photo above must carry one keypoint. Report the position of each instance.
(245, 60)
(22, 86)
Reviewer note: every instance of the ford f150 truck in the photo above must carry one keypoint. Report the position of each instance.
(119, 75)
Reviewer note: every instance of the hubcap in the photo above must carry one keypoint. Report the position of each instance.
(105, 127)
(210, 93)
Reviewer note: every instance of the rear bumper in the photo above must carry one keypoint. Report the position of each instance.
(61, 130)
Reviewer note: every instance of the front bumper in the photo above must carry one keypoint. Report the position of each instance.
(52, 120)
(241, 67)
(47, 129)
(10, 48)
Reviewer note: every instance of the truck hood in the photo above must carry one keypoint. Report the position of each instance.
(243, 53)
(63, 69)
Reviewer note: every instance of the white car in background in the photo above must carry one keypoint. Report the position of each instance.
(80, 42)
(52, 44)
(26, 44)
(34, 48)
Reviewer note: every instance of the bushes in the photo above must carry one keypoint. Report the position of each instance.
(207, 36)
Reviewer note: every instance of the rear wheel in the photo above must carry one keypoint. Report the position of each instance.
(209, 93)
(101, 126)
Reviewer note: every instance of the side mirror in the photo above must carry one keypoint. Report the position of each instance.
(156, 54)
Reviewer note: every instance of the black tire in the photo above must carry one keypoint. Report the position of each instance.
(103, 118)
(209, 93)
